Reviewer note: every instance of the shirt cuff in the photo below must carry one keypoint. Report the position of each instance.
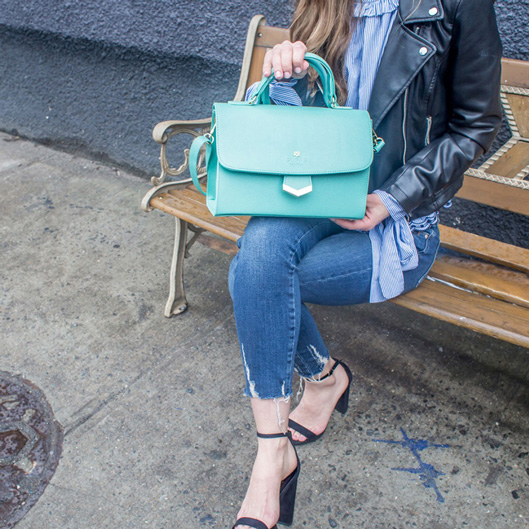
(396, 211)
(281, 92)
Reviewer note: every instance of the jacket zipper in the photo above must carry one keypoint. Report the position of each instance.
(405, 113)
(428, 130)
(404, 118)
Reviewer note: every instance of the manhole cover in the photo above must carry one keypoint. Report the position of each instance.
(30, 447)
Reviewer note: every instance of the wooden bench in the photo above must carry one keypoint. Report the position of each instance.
(484, 288)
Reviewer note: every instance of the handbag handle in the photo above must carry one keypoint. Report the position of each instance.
(322, 68)
(194, 153)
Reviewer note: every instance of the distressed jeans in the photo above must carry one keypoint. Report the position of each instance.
(284, 263)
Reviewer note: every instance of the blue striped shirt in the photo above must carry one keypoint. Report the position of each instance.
(392, 241)
(373, 24)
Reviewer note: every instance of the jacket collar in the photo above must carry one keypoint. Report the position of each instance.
(404, 56)
(420, 10)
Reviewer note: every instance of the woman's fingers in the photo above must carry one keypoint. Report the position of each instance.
(286, 60)
(299, 63)
(267, 64)
(350, 224)
(277, 63)
(376, 212)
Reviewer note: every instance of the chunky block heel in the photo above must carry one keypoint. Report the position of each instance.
(287, 492)
(287, 498)
(343, 403)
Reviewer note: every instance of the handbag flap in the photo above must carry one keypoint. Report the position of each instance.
(274, 139)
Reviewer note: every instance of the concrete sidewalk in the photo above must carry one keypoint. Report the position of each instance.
(157, 434)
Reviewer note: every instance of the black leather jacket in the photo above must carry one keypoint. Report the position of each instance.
(435, 100)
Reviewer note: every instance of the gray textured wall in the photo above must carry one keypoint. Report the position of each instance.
(96, 76)
(213, 29)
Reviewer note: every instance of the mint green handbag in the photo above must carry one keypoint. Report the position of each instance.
(273, 160)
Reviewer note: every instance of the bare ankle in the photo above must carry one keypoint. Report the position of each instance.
(324, 381)
(273, 445)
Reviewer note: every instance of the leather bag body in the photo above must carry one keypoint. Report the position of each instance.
(274, 160)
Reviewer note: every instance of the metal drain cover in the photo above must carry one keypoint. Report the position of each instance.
(30, 447)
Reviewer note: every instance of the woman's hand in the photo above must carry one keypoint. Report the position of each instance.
(376, 212)
(287, 60)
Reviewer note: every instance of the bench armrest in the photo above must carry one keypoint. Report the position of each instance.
(164, 131)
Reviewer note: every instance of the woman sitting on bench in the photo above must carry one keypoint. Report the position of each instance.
(428, 71)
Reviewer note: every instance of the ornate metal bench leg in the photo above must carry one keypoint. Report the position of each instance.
(177, 303)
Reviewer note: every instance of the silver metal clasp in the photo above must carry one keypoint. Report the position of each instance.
(209, 135)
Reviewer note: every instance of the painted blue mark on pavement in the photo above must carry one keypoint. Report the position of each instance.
(427, 473)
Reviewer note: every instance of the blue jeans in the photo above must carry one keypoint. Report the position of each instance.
(284, 263)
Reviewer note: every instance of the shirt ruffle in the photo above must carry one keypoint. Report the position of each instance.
(375, 8)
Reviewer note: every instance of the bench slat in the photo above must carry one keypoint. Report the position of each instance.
(515, 72)
(499, 283)
(483, 248)
(472, 311)
(269, 36)
(512, 162)
(266, 37)
(520, 112)
(256, 69)
(192, 194)
(495, 194)
(196, 213)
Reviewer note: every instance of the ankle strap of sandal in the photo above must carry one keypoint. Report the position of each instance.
(272, 435)
(336, 364)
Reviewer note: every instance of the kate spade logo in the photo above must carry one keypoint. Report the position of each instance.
(295, 158)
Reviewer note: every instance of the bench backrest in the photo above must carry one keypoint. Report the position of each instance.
(501, 181)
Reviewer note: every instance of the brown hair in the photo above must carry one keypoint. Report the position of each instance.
(326, 27)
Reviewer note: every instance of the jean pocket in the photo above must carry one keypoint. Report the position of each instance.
(426, 240)
(430, 242)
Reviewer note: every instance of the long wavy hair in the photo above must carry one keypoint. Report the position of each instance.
(326, 27)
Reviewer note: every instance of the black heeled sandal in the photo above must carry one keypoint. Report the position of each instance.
(341, 406)
(287, 492)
